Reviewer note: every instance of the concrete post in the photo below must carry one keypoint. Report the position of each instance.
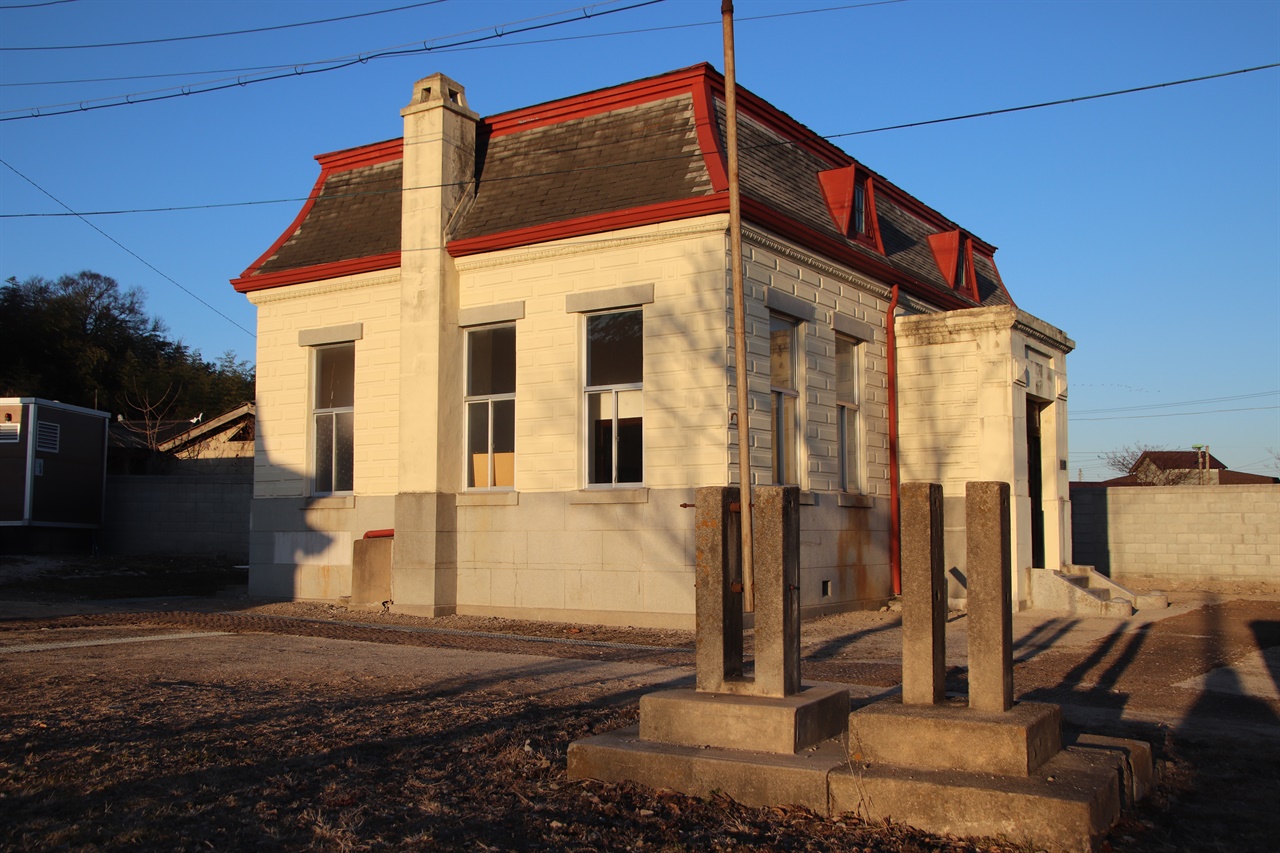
(719, 617)
(924, 606)
(777, 587)
(718, 637)
(990, 597)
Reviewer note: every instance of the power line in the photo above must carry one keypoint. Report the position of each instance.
(143, 260)
(36, 5)
(611, 165)
(449, 49)
(1175, 405)
(171, 39)
(1175, 414)
(1059, 102)
(303, 69)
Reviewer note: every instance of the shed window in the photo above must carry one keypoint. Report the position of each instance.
(334, 415)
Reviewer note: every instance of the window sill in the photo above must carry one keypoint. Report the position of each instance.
(610, 496)
(855, 501)
(330, 502)
(808, 498)
(489, 499)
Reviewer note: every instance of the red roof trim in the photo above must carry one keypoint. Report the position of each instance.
(330, 164)
(317, 272)
(598, 101)
(713, 155)
(365, 155)
(614, 221)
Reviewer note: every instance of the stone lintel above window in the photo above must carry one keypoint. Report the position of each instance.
(792, 306)
(484, 315)
(852, 327)
(604, 300)
(344, 334)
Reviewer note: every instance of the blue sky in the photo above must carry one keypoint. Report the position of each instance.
(1146, 226)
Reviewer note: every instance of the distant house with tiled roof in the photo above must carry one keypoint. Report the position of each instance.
(508, 339)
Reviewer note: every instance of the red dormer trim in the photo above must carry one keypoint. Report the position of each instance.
(946, 252)
(873, 219)
(953, 253)
(335, 162)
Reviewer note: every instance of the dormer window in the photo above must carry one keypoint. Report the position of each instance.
(850, 200)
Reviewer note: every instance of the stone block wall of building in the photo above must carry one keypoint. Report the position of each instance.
(300, 545)
(1179, 536)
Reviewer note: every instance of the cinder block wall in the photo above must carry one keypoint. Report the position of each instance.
(178, 514)
(1181, 536)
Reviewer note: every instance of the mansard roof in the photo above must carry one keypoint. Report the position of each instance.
(648, 151)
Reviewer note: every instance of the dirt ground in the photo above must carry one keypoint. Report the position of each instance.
(183, 723)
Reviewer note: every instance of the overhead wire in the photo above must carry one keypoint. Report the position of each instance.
(36, 5)
(610, 165)
(1145, 407)
(173, 39)
(138, 257)
(461, 47)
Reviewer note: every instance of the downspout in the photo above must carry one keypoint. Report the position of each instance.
(895, 537)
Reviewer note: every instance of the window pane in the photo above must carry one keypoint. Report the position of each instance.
(615, 348)
(343, 451)
(478, 444)
(846, 371)
(782, 359)
(491, 361)
(600, 437)
(504, 443)
(859, 207)
(335, 377)
(849, 480)
(788, 454)
(630, 437)
(324, 453)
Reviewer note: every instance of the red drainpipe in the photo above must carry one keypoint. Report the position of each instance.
(385, 533)
(895, 539)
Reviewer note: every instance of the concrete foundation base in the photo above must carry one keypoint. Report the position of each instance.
(751, 778)
(1065, 807)
(763, 724)
(953, 736)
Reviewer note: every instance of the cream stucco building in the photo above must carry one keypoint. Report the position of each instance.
(508, 341)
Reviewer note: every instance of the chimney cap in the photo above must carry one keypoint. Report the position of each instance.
(439, 91)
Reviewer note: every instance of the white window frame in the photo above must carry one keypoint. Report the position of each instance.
(849, 419)
(490, 399)
(613, 391)
(333, 412)
(783, 451)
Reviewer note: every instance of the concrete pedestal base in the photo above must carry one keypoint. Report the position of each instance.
(762, 724)
(1065, 807)
(750, 778)
(953, 736)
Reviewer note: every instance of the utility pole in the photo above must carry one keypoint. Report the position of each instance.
(739, 309)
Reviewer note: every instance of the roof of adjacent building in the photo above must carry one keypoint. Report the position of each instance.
(648, 151)
(1176, 460)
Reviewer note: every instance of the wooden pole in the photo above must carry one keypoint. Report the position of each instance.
(739, 309)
